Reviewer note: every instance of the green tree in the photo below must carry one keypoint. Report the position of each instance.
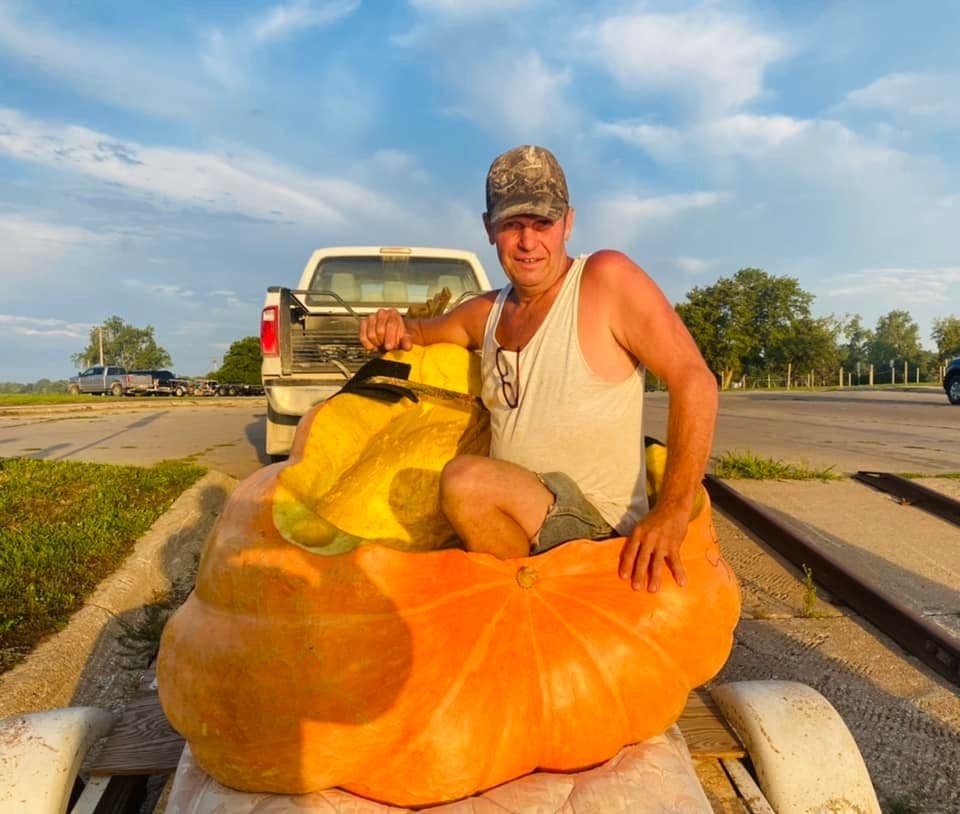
(857, 340)
(748, 324)
(811, 346)
(712, 315)
(241, 363)
(946, 333)
(896, 340)
(125, 345)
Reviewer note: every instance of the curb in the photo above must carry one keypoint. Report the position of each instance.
(77, 665)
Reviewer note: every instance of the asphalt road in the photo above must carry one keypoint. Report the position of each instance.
(887, 431)
(226, 435)
(916, 431)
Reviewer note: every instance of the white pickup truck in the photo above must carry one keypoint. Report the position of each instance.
(309, 335)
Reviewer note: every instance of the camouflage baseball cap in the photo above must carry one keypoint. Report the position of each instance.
(526, 180)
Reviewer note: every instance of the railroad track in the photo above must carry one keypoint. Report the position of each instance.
(935, 647)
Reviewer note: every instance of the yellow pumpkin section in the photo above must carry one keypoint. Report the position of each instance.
(370, 471)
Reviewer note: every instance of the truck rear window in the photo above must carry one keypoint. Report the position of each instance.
(390, 280)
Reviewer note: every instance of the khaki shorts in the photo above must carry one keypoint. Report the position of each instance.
(571, 517)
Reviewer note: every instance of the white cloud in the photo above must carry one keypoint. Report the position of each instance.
(900, 285)
(637, 208)
(167, 291)
(461, 9)
(717, 59)
(112, 71)
(742, 134)
(218, 182)
(33, 247)
(539, 109)
(921, 95)
(691, 265)
(282, 21)
(226, 53)
(196, 328)
(749, 134)
(398, 162)
(11, 324)
(228, 301)
(659, 141)
(622, 217)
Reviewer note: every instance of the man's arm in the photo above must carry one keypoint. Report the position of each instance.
(388, 329)
(646, 324)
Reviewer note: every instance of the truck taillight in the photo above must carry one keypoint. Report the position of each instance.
(269, 344)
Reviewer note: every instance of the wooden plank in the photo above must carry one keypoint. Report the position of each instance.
(721, 794)
(706, 731)
(748, 788)
(142, 742)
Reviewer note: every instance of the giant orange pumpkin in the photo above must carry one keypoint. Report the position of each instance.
(308, 658)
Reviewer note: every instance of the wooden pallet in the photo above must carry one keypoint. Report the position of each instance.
(143, 743)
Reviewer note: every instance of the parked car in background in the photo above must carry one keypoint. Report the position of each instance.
(153, 382)
(117, 381)
(951, 381)
(102, 379)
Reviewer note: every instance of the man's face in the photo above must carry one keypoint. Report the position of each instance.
(531, 248)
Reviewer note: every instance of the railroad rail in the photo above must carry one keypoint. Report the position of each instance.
(915, 494)
(933, 646)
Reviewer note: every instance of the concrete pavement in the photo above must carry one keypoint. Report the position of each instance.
(904, 717)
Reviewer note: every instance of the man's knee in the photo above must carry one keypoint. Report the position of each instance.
(460, 478)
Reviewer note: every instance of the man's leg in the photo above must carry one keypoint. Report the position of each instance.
(494, 506)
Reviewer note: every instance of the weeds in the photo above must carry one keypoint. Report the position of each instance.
(64, 526)
(745, 465)
(808, 604)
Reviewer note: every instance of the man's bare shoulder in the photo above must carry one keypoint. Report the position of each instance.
(611, 269)
(470, 317)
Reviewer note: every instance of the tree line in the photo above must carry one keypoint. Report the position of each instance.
(756, 329)
(115, 342)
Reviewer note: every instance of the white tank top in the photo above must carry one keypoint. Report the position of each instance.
(568, 419)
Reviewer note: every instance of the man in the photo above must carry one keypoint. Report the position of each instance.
(564, 349)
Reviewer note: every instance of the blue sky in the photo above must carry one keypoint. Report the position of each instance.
(166, 162)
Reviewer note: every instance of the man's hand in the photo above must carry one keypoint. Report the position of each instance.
(385, 330)
(654, 542)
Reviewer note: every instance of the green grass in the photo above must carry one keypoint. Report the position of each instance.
(747, 466)
(64, 526)
(27, 399)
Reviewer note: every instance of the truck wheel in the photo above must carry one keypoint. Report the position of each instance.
(73, 389)
(953, 388)
(180, 391)
(116, 389)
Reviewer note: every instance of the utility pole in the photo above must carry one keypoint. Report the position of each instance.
(101, 344)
